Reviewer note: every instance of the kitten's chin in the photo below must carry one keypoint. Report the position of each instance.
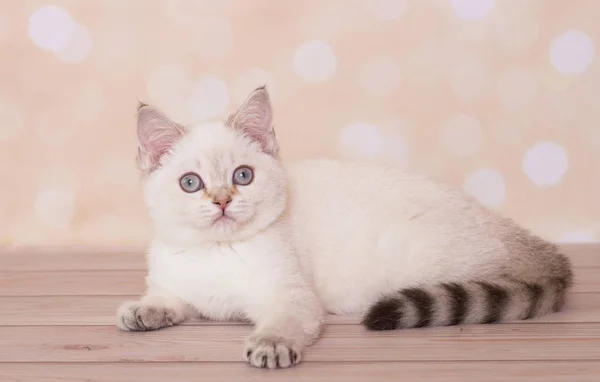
(224, 223)
(224, 227)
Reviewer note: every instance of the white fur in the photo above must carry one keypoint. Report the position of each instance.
(406, 230)
(306, 238)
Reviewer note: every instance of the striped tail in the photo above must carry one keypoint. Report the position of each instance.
(470, 302)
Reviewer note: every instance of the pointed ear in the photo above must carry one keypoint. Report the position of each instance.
(156, 134)
(254, 119)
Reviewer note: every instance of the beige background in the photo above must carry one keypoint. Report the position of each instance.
(499, 97)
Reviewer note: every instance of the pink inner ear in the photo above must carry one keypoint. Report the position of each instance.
(156, 136)
(259, 133)
(157, 146)
(254, 120)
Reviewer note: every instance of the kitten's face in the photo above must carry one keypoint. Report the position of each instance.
(213, 182)
(216, 184)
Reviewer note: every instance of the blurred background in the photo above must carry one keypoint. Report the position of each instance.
(501, 98)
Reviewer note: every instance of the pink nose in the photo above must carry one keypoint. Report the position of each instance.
(222, 201)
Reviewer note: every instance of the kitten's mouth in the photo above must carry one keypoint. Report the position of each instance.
(223, 218)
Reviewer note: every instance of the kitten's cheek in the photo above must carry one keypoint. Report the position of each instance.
(244, 216)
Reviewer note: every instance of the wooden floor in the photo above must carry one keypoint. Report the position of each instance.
(57, 315)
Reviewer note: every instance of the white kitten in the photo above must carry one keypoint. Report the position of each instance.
(238, 235)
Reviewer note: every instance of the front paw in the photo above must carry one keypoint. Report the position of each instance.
(271, 352)
(137, 316)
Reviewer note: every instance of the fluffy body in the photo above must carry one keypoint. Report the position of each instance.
(323, 236)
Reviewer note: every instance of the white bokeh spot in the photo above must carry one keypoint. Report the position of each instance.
(55, 207)
(380, 76)
(572, 52)
(472, 9)
(51, 27)
(462, 135)
(545, 163)
(516, 88)
(315, 61)
(487, 186)
(578, 238)
(360, 140)
(386, 9)
(78, 47)
(208, 98)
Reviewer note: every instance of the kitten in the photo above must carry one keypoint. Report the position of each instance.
(240, 235)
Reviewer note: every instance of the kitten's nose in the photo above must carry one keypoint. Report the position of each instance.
(222, 201)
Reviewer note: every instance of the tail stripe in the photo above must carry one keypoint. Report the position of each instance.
(496, 300)
(423, 303)
(560, 285)
(386, 314)
(535, 300)
(459, 300)
(475, 301)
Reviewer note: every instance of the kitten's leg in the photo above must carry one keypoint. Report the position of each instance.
(283, 330)
(155, 310)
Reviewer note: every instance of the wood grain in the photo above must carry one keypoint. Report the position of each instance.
(583, 255)
(72, 283)
(541, 371)
(131, 258)
(518, 342)
(85, 260)
(57, 312)
(100, 310)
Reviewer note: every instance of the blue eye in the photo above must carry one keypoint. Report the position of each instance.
(191, 182)
(243, 176)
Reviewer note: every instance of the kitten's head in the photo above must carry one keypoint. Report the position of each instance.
(218, 181)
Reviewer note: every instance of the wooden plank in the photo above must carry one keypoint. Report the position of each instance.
(583, 255)
(76, 283)
(341, 343)
(131, 282)
(60, 310)
(543, 371)
(131, 258)
(587, 280)
(100, 310)
(55, 260)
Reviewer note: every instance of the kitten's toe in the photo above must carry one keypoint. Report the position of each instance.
(127, 317)
(270, 352)
(136, 316)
